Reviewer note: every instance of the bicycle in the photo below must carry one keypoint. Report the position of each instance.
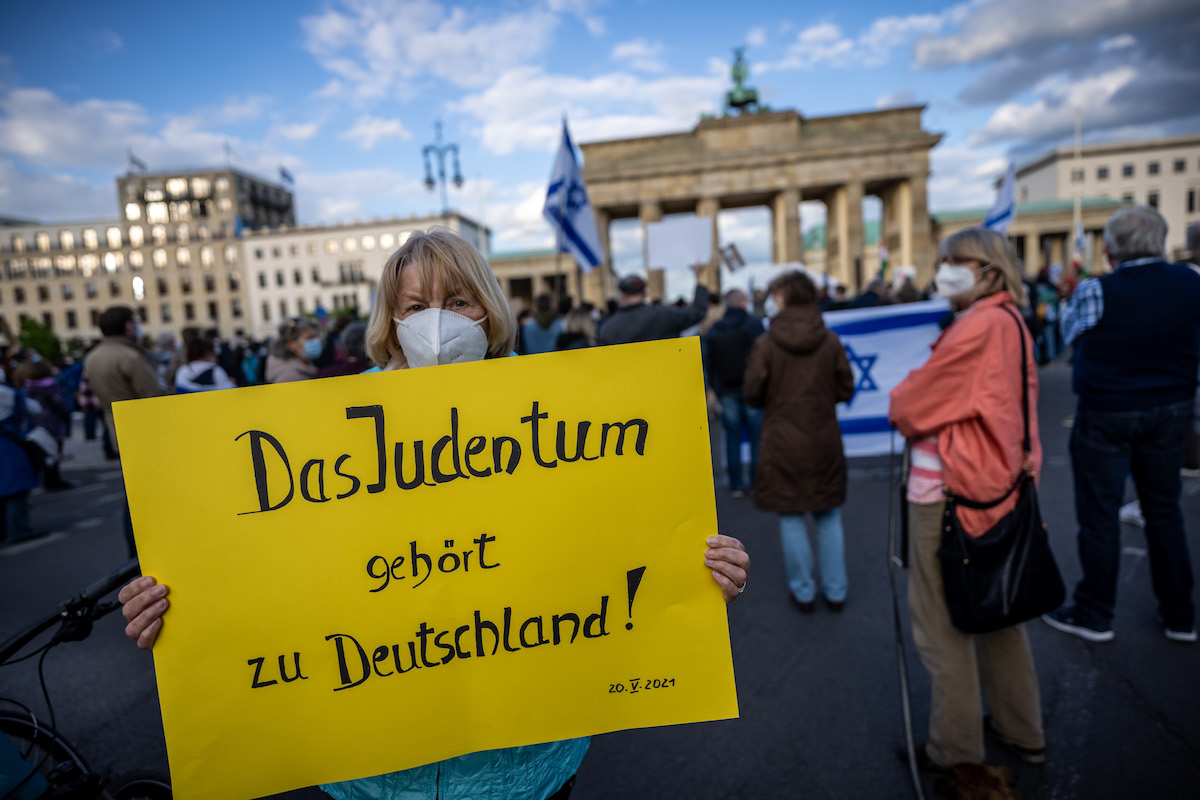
(38, 762)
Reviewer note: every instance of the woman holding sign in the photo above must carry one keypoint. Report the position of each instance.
(439, 303)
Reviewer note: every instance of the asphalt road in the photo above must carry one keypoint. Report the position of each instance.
(819, 694)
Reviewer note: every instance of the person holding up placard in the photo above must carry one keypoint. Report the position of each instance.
(439, 303)
(636, 321)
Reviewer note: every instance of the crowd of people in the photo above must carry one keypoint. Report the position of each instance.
(774, 379)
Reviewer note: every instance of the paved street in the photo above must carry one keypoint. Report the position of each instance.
(819, 694)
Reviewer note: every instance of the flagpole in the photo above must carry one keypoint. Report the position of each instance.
(562, 201)
(1078, 217)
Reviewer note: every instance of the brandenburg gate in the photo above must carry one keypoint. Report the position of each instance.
(776, 159)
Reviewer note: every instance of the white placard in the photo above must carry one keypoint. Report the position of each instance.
(679, 242)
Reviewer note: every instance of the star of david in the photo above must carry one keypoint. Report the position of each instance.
(576, 198)
(864, 364)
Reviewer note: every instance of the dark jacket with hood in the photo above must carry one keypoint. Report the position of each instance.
(727, 350)
(798, 373)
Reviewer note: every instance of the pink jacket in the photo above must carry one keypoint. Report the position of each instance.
(968, 394)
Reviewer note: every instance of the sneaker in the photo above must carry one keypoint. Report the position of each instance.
(1131, 513)
(806, 607)
(1066, 619)
(1178, 634)
(1030, 755)
(1189, 472)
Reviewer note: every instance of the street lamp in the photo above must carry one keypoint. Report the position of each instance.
(440, 150)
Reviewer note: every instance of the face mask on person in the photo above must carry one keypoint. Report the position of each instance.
(436, 336)
(312, 348)
(138, 331)
(953, 280)
(770, 306)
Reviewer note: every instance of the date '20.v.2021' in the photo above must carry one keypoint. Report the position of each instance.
(636, 685)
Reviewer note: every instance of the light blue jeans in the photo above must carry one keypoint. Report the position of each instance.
(798, 556)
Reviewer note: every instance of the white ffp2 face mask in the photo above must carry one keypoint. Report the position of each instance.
(770, 307)
(436, 336)
(952, 280)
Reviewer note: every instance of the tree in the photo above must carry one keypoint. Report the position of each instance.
(39, 338)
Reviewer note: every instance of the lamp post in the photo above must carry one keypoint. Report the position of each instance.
(440, 150)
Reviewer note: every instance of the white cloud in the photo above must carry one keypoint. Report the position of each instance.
(342, 195)
(963, 176)
(382, 49)
(522, 109)
(639, 54)
(297, 131)
(824, 44)
(756, 37)
(38, 125)
(238, 109)
(1054, 109)
(105, 41)
(904, 97)
(1117, 43)
(46, 196)
(368, 131)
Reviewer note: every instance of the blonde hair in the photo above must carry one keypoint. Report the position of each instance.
(989, 248)
(450, 261)
(579, 320)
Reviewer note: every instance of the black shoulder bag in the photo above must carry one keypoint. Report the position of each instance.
(1008, 575)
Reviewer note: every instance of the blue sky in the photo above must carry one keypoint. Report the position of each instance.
(345, 93)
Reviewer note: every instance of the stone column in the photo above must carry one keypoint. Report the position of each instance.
(844, 233)
(650, 211)
(598, 285)
(787, 243)
(924, 249)
(708, 207)
(897, 225)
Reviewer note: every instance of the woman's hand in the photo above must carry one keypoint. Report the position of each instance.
(730, 563)
(143, 602)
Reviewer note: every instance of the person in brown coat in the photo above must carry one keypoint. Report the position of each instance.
(798, 373)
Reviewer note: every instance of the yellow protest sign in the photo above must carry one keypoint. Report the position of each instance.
(381, 571)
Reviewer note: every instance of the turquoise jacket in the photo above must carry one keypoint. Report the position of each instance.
(530, 772)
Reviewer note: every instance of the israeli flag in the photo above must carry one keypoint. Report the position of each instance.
(568, 210)
(1080, 240)
(1004, 210)
(883, 344)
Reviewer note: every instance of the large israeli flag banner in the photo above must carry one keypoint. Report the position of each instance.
(883, 344)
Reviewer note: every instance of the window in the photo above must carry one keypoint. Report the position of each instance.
(181, 211)
(297, 277)
(279, 279)
(312, 248)
(181, 233)
(114, 289)
(222, 184)
(231, 254)
(91, 242)
(316, 275)
(1127, 171)
(276, 252)
(368, 242)
(159, 258)
(402, 237)
(385, 241)
(112, 236)
(212, 310)
(282, 309)
(18, 243)
(18, 295)
(1152, 168)
(164, 310)
(183, 256)
(163, 287)
(113, 261)
(262, 280)
(350, 244)
(72, 320)
(43, 294)
(1180, 165)
(1076, 176)
(89, 289)
(1152, 199)
(1127, 198)
(185, 284)
(177, 187)
(258, 254)
(66, 240)
(1101, 173)
(68, 292)
(159, 234)
(235, 308)
(203, 232)
(139, 289)
(42, 241)
(157, 212)
(133, 211)
(300, 305)
(210, 284)
(201, 187)
(48, 319)
(235, 282)
(1191, 203)
(64, 264)
(206, 256)
(225, 204)
(136, 260)
(189, 312)
(41, 266)
(331, 246)
(136, 237)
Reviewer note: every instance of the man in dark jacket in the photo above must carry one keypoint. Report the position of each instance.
(727, 351)
(1136, 333)
(635, 321)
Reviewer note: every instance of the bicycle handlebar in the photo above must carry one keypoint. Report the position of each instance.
(81, 605)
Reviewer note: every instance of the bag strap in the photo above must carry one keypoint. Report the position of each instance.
(1026, 444)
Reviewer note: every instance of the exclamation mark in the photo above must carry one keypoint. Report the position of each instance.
(634, 578)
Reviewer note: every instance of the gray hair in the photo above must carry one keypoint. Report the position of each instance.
(1137, 232)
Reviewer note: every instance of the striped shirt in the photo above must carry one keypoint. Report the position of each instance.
(925, 478)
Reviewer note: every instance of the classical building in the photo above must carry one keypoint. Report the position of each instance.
(1162, 173)
(295, 271)
(776, 159)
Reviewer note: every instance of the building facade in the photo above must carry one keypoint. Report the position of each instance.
(1161, 173)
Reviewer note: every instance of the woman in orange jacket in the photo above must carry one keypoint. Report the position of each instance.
(962, 415)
